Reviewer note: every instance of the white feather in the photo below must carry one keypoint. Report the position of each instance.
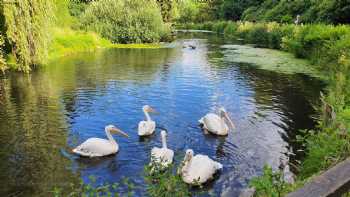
(96, 147)
(146, 128)
(214, 124)
(162, 155)
(199, 169)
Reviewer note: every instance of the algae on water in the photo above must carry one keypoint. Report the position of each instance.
(268, 59)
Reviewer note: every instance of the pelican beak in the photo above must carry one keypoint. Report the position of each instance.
(151, 110)
(118, 131)
(229, 120)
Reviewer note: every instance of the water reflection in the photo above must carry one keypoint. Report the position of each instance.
(44, 114)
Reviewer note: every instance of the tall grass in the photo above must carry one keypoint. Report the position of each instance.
(328, 48)
(67, 41)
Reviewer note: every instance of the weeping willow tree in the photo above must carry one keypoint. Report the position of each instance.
(27, 23)
(3, 66)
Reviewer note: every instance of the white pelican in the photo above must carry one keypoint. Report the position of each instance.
(163, 155)
(147, 127)
(97, 147)
(216, 124)
(198, 169)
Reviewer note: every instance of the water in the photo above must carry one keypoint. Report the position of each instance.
(45, 114)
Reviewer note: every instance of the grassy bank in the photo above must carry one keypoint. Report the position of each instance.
(67, 42)
(328, 48)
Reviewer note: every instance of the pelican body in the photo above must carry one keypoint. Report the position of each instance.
(163, 155)
(216, 124)
(148, 126)
(198, 169)
(97, 147)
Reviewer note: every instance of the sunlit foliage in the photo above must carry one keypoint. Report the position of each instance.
(126, 21)
(27, 23)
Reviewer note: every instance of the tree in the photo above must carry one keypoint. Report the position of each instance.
(27, 23)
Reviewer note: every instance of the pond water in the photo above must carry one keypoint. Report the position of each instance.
(45, 114)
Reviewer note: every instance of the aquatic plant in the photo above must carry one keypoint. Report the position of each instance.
(162, 182)
(271, 183)
(93, 189)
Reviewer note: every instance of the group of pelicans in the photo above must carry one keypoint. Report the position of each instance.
(196, 169)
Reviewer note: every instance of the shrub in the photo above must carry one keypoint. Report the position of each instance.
(270, 184)
(219, 26)
(162, 182)
(230, 29)
(126, 21)
(258, 35)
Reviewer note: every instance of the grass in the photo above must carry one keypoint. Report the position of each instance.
(67, 42)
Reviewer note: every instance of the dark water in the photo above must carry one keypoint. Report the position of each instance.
(44, 114)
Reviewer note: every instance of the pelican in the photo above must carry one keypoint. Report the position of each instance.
(147, 127)
(97, 147)
(198, 169)
(163, 155)
(216, 124)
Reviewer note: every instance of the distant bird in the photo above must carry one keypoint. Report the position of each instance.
(297, 21)
(163, 155)
(97, 147)
(198, 169)
(147, 127)
(216, 124)
(192, 46)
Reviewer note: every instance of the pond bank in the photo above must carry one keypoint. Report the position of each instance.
(67, 41)
(328, 48)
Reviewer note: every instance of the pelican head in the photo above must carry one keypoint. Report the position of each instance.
(188, 155)
(224, 114)
(148, 109)
(163, 133)
(113, 129)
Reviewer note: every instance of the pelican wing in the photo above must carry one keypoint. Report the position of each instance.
(96, 147)
(201, 169)
(146, 127)
(214, 124)
(163, 155)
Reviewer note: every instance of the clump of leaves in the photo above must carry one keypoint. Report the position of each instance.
(163, 181)
(90, 189)
(270, 184)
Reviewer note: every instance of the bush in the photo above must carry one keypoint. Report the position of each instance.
(219, 26)
(270, 184)
(126, 21)
(258, 35)
(230, 29)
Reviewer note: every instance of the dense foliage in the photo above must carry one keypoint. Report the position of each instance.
(26, 24)
(125, 21)
(194, 11)
(3, 65)
(286, 11)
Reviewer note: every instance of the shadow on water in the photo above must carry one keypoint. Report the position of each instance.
(61, 105)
